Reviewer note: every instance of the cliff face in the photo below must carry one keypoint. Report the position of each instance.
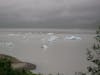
(17, 64)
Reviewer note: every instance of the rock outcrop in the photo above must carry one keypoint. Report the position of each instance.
(17, 64)
(23, 65)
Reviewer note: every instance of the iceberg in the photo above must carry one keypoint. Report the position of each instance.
(72, 38)
(50, 33)
(44, 46)
(52, 38)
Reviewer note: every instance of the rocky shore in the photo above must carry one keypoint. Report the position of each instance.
(17, 64)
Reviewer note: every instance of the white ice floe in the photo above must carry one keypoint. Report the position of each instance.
(6, 45)
(50, 33)
(11, 34)
(9, 43)
(44, 46)
(48, 40)
(72, 38)
(52, 38)
(24, 36)
(14, 35)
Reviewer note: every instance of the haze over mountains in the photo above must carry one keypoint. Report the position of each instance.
(58, 14)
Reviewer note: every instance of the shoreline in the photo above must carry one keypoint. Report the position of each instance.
(58, 31)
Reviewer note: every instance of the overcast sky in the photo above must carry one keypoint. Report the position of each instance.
(50, 14)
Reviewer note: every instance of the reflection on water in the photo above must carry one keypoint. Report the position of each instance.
(51, 52)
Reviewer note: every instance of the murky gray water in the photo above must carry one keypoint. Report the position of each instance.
(60, 55)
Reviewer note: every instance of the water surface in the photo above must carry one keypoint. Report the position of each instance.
(64, 56)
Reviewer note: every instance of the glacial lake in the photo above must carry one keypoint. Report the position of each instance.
(51, 51)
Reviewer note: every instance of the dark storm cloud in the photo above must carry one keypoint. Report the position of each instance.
(50, 13)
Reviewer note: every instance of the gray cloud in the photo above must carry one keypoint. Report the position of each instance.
(50, 13)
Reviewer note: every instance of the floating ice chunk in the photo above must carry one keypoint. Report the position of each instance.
(52, 38)
(6, 45)
(44, 46)
(10, 44)
(15, 35)
(11, 34)
(48, 39)
(24, 36)
(78, 38)
(72, 38)
(50, 33)
(29, 34)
